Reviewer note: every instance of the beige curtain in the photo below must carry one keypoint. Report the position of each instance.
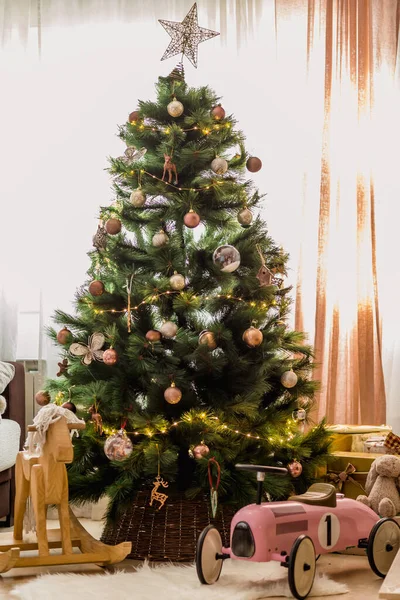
(350, 49)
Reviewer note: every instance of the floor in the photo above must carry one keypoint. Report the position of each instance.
(352, 570)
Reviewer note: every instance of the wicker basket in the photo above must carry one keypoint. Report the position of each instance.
(170, 533)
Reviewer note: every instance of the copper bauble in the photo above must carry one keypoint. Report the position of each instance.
(169, 329)
(177, 281)
(134, 116)
(113, 226)
(289, 379)
(118, 446)
(64, 336)
(70, 406)
(201, 450)
(295, 468)
(175, 108)
(227, 258)
(253, 337)
(253, 164)
(207, 338)
(137, 198)
(96, 288)
(218, 112)
(172, 394)
(191, 219)
(110, 357)
(219, 165)
(245, 217)
(42, 398)
(159, 239)
(153, 335)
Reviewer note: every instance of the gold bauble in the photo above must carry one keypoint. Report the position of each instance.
(175, 108)
(289, 379)
(169, 329)
(219, 165)
(172, 394)
(177, 281)
(207, 338)
(159, 239)
(245, 217)
(253, 337)
(137, 198)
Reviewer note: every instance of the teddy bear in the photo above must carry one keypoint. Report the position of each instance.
(383, 486)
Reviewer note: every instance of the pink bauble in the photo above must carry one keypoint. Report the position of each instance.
(295, 468)
(200, 450)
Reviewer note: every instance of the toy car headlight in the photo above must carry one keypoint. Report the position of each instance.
(243, 541)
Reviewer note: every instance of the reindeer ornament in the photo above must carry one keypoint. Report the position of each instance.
(171, 168)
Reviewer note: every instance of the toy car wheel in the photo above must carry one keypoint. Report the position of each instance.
(209, 545)
(383, 544)
(301, 569)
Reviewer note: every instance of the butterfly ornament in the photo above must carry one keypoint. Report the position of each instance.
(90, 351)
(132, 154)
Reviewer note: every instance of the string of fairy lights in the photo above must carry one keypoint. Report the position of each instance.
(167, 130)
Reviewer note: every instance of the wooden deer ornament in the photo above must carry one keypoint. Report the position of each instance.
(171, 168)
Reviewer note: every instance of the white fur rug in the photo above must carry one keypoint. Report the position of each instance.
(239, 581)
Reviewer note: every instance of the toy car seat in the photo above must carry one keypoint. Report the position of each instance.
(318, 494)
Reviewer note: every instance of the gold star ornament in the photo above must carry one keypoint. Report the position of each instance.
(186, 36)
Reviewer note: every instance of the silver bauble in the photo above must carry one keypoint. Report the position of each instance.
(118, 446)
(245, 217)
(137, 198)
(159, 239)
(289, 379)
(169, 329)
(227, 258)
(177, 281)
(175, 108)
(219, 165)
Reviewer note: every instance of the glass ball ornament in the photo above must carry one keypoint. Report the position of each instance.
(289, 379)
(177, 281)
(253, 337)
(207, 338)
(169, 329)
(113, 226)
(295, 468)
(245, 217)
(159, 239)
(42, 398)
(134, 116)
(64, 336)
(191, 219)
(253, 164)
(110, 357)
(153, 336)
(175, 108)
(200, 450)
(118, 446)
(173, 394)
(218, 112)
(96, 288)
(299, 414)
(137, 198)
(219, 166)
(227, 258)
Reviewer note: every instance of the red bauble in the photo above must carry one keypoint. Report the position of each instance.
(110, 357)
(64, 336)
(253, 164)
(42, 398)
(218, 112)
(134, 116)
(191, 219)
(295, 468)
(96, 288)
(70, 406)
(113, 226)
(153, 335)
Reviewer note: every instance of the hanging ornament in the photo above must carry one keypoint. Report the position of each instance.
(289, 379)
(160, 239)
(300, 416)
(218, 112)
(63, 366)
(113, 226)
(70, 406)
(175, 108)
(170, 168)
(153, 335)
(133, 154)
(253, 337)
(96, 288)
(253, 164)
(42, 398)
(264, 275)
(207, 338)
(295, 468)
(200, 450)
(100, 238)
(64, 336)
(219, 165)
(118, 446)
(137, 198)
(169, 329)
(159, 481)
(90, 351)
(97, 419)
(173, 394)
(245, 217)
(177, 281)
(191, 219)
(110, 357)
(134, 116)
(128, 286)
(227, 258)
(214, 488)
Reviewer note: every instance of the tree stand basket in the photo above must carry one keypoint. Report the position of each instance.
(170, 533)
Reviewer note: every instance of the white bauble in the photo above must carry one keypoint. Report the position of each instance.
(227, 258)
(289, 379)
(137, 198)
(175, 108)
(219, 165)
(159, 239)
(177, 281)
(169, 329)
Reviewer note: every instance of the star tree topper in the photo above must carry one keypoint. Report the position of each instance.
(186, 36)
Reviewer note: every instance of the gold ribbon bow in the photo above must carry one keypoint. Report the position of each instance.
(338, 479)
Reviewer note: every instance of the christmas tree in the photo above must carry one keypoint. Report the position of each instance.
(179, 351)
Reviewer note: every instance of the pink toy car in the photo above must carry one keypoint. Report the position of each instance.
(293, 532)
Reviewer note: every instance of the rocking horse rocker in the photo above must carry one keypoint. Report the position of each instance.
(42, 476)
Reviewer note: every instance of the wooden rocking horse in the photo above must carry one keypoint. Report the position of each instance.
(44, 479)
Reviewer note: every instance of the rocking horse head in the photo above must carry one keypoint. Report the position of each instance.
(59, 443)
